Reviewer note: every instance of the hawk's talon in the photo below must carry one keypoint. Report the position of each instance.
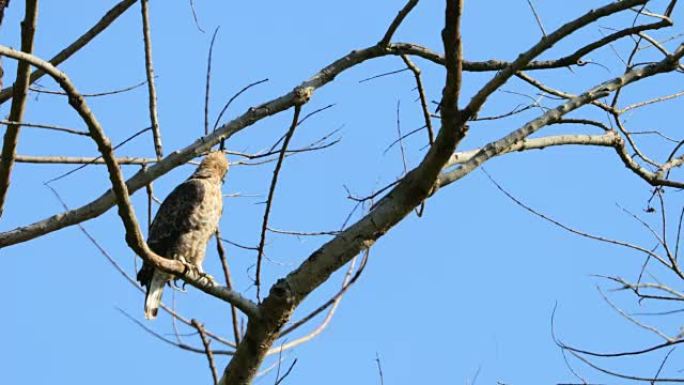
(210, 279)
(174, 285)
(202, 276)
(187, 265)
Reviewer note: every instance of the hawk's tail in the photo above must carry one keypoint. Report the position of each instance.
(154, 296)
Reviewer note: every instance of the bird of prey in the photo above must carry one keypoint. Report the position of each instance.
(186, 220)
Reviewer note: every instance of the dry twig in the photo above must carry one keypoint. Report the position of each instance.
(151, 88)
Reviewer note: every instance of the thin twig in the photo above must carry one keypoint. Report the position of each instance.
(570, 229)
(315, 112)
(208, 85)
(406, 135)
(229, 284)
(210, 354)
(679, 233)
(380, 375)
(194, 16)
(401, 142)
(537, 18)
(149, 72)
(46, 127)
(517, 110)
(634, 320)
(382, 75)
(41, 90)
(624, 376)
(171, 342)
(239, 245)
(303, 233)
(662, 365)
(64, 175)
(174, 324)
(397, 22)
(271, 192)
(287, 373)
(421, 94)
(225, 107)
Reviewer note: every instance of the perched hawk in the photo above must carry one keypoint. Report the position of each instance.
(183, 225)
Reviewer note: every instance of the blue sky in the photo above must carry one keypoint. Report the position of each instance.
(468, 287)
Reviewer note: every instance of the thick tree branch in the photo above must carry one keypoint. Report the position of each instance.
(288, 292)
(57, 159)
(609, 139)
(332, 303)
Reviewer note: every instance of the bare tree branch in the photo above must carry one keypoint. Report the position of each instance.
(537, 17)
(271, 193)
(179, 345)
(9, 143)
(42, 90)
(229, 284)
(423, 99)
(207, 86)
(397, 22)
(207, 349)
(151, 88)
(80, 160)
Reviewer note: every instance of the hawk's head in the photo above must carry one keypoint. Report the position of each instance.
(214, 164)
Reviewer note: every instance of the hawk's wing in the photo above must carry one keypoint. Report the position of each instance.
(172, 220)
(173, 217)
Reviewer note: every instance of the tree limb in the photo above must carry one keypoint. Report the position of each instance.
(9, 144)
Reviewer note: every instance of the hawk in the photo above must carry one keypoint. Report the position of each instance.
(186, 220)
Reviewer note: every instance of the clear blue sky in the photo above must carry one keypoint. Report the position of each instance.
(472, 284)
